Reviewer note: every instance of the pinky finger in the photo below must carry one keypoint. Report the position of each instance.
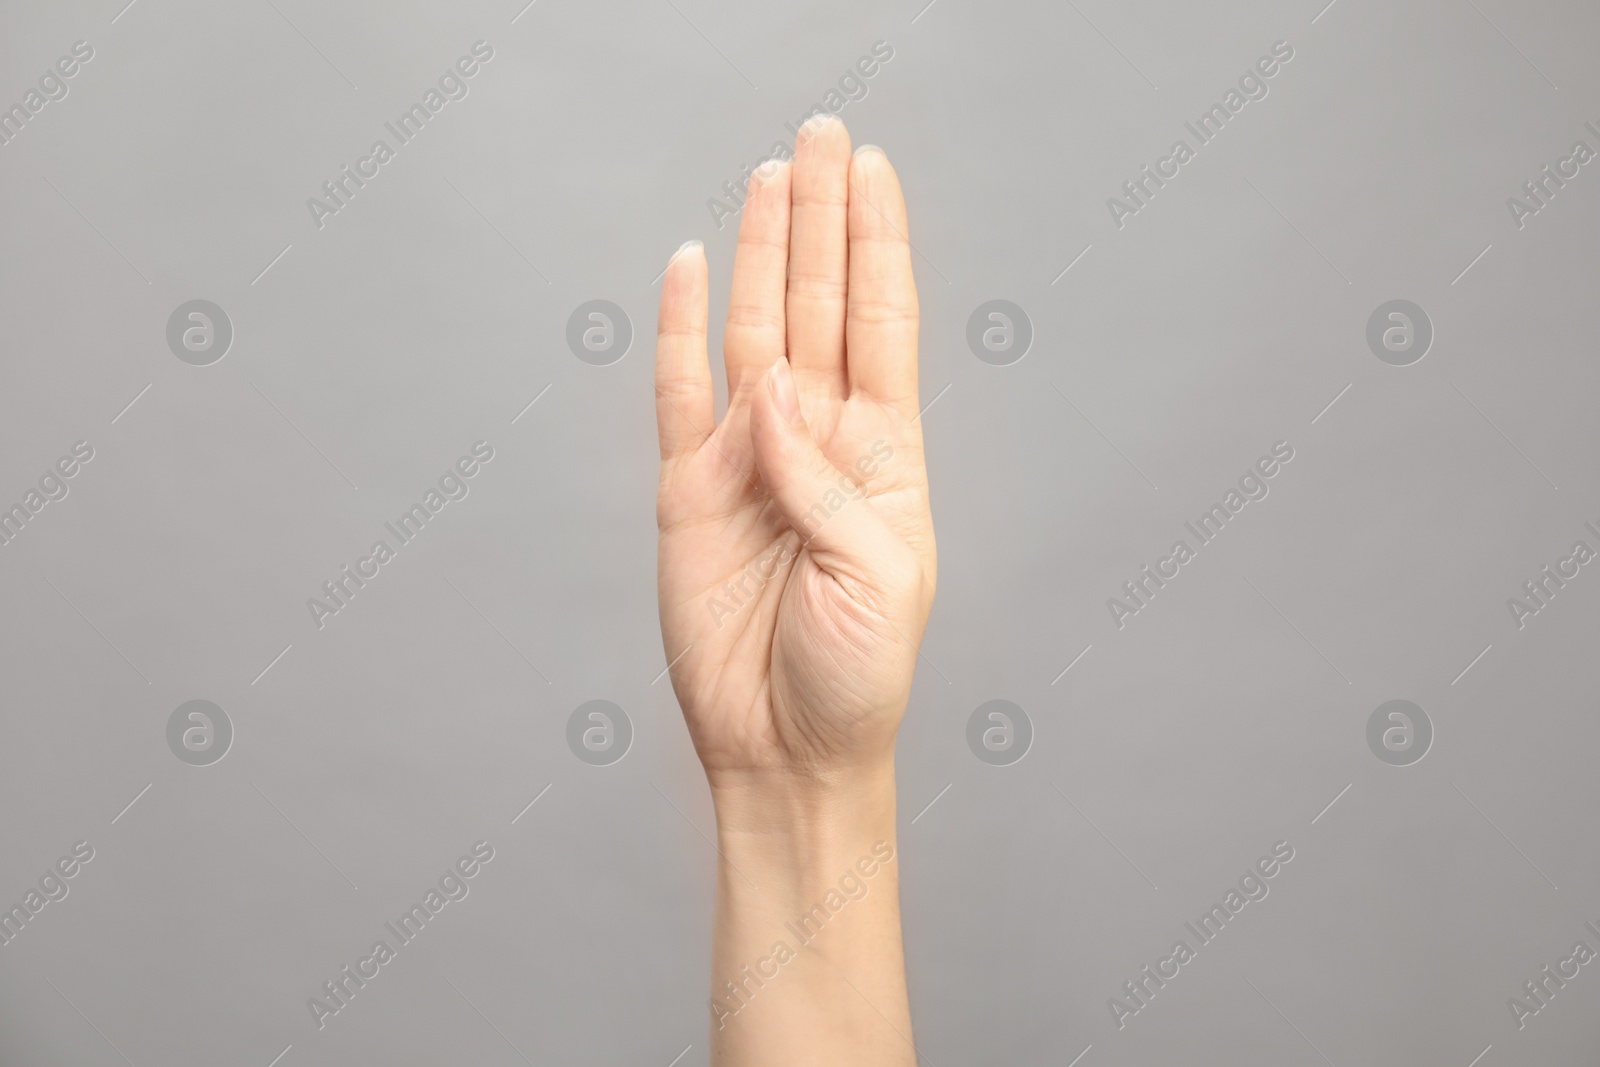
(685, 411)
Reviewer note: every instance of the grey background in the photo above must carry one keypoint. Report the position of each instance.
(1223, 718)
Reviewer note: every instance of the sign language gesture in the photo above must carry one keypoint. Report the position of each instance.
(796, 559)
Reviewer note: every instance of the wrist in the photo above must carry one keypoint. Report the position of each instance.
(795, 805)
(800, 830)
(808, 919)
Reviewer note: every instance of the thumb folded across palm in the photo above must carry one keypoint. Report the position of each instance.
(817, 465)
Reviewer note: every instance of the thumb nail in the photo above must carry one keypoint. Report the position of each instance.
(781, 382)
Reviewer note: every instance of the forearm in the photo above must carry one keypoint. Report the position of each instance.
(807, 963)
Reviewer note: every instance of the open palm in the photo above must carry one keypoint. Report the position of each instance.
(797, 562)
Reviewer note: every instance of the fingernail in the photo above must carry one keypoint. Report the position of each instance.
(687, 246)
(781, 382)
(815, 125)
(869, 148)
(767, 171)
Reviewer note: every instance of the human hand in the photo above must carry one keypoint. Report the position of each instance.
(796, 561)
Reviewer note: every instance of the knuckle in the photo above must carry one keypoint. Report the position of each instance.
(830, 286)
(756, 240)
(693, 331)
(821, 196)
(884, 311)
(756, 317)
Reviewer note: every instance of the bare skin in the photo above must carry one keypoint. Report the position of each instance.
(796, 572)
